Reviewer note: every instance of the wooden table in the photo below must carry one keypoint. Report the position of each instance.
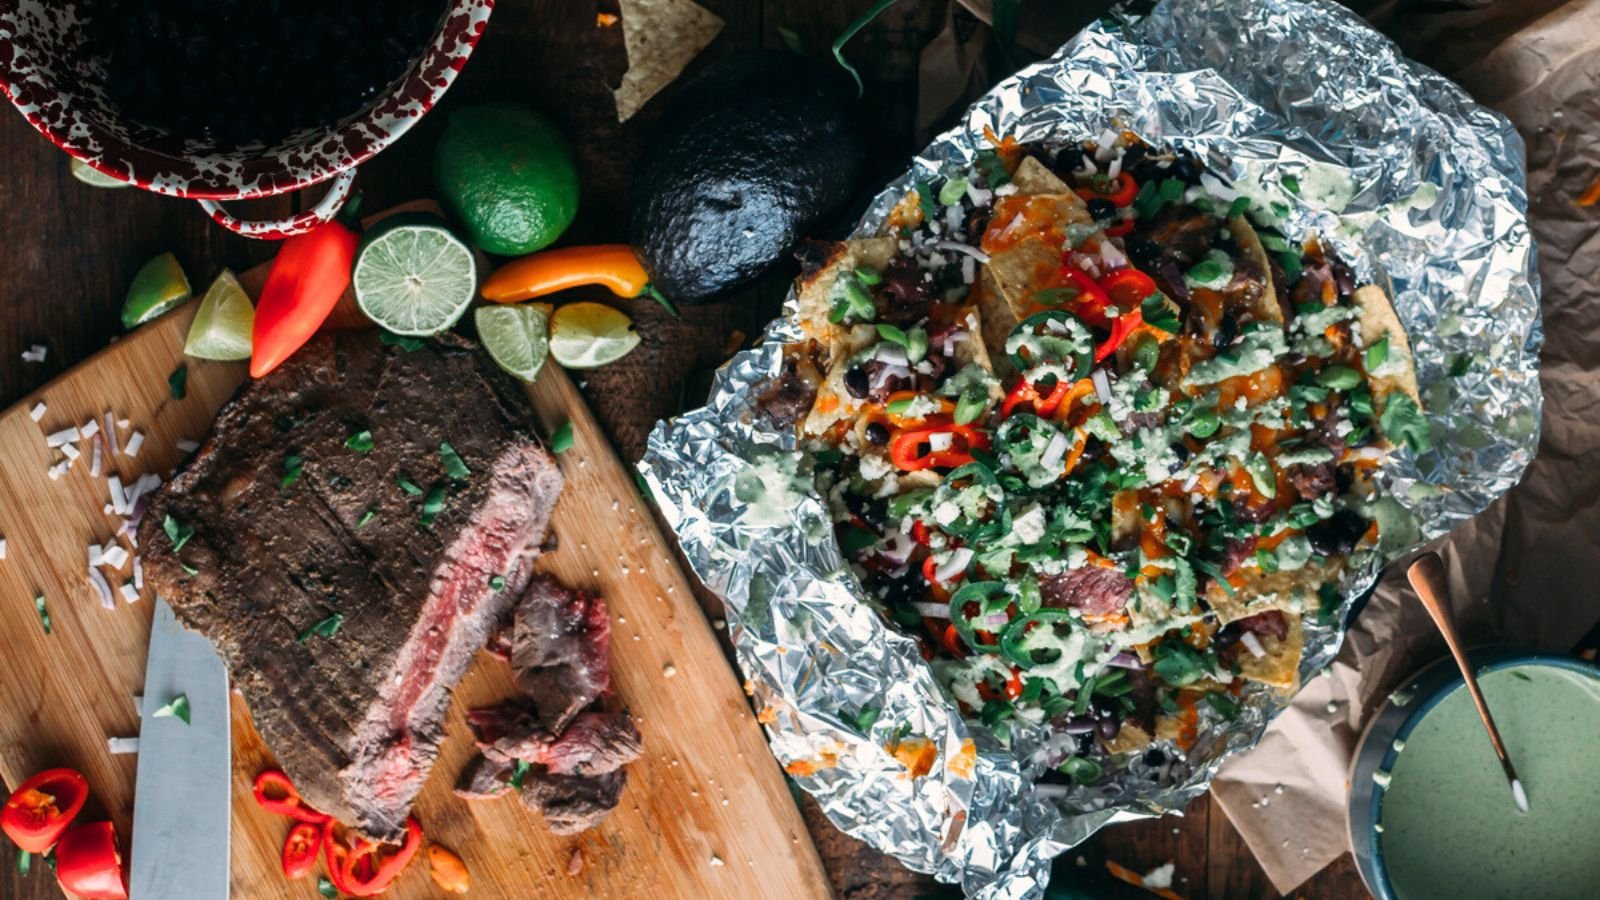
(67, 252)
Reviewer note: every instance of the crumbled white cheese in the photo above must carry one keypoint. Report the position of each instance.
(1029, 525)
(37, 412)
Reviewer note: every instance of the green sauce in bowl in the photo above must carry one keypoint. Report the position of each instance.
(1449, 826)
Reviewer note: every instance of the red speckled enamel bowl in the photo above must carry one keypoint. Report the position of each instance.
(51, 84)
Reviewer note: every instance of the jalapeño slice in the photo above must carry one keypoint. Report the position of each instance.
(971, 525)
(1020, 641)
(990, 597)
(1053, 341)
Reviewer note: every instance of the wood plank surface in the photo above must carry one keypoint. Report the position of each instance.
(706, 811)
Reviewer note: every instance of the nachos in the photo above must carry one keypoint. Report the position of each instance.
(1100, 441)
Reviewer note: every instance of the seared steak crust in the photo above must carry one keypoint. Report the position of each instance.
(295, 523)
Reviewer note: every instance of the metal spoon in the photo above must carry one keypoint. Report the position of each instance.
(1427, 579)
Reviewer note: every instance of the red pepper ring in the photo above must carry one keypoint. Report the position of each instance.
(906, 447)
(359, 868)
(1024, 392)
(274, 792)
(1125, 325)
(42, 807)
(1120, 190)
(301, 848)
(1128, 288)
(1083, 296)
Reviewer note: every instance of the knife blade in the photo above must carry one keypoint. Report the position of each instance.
(181, 802)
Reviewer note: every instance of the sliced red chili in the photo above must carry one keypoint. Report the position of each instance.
(1127, 288)
(368, 871)
(919, 533)
(1124, 325)
(276, 793)
(911, 449)
(42, 807)
(1119, 190)
(1077, 293)
(300, 849)
(1024, 392)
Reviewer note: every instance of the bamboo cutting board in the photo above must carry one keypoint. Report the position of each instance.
(705, 814)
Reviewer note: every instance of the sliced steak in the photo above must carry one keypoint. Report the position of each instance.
(484, 778)
(1093, 589)
(561, 650)
(573, 803)
(594, 742)
(295, 524)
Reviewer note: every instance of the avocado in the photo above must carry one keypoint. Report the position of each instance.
(748, 156)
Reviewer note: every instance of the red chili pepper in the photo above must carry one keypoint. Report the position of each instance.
(300, 849)
(307, 278)
(1120, 190)
(906, 448)
(1120, 227)
(42, 807)
(919, 533)
(928, 569)
(1014, 684)
(361, 868)
(1025, 392)
(1127, 288)
(1120, 329)
(89, 862)
(276, 793)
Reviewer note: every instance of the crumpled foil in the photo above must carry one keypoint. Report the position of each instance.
(1417, 187)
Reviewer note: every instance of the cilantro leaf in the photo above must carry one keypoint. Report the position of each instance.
(178, 382)
(325, 628)
(178, 708)
(1402, 421)
(561, 441)
(177, 532)
(453, 464)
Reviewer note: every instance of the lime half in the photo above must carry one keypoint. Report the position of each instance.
(159, 287)
(94, 177)
(517, 337)
(589, 335)
(221, 327)
(413, 276)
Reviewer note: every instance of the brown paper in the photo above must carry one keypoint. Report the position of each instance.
(1525, 573)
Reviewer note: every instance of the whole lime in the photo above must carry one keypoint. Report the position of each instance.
(508, 174)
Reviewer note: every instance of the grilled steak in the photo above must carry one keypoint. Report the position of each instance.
(573, 803)
(561, 650)
(345, 565)
(595, 741)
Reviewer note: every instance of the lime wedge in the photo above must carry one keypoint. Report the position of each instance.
(221, 327)
(94, 177)
(589, 335)
(517, 337)
(159, 287)
(413, 276)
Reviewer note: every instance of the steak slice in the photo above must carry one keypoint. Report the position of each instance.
(299, 519)
(561, 650)
(595, 741)
(573, 803)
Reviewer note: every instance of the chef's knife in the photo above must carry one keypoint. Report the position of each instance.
(181, 812)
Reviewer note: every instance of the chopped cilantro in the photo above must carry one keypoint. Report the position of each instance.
(1206, 271)
(925, 200)
(1328, 605)
(497, 582)
(408, 485)
(324, 886)
(519, 771)
(854, 541)
(293, 465)
(561, 439)
(1291, 184)
(453, 466)
(1212, 570)
(993, 168)
(1267, 560)
(1226, 706)
(1158, 313)
(1178, 664)
(177, 532)
(1292, 267)
(44, 614)
(325, 628)
(1401, 420)
(1238, 207)
(1460, 364)
(372, 511)
(866, 717)
(432, 504)
(361, 441)
(178, 382)
(177, 709)
(1377, 353)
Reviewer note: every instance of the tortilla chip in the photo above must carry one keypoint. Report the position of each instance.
(1022, 271)
(815, 292)
(998, 322)
(1280, 665)
(1379, 320)
(1266, 308)
(1290, 590)
(661, 37)
(1129, 737)
(1031, 177)
(834, 403)
(1032, 263)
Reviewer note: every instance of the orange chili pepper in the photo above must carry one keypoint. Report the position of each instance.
(613, 266)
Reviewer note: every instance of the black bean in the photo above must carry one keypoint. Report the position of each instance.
(1108, 728)
(1101, 208)
(1144, 253)
(1337, 536)
(1154, 757)
(1181, 451)
(1227, 331)
(856, 383)
(877, 433)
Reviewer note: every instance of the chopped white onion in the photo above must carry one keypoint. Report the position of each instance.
(138, 573)
(35, 354)
(969, 270)
(111, 435)
(130, 594)
(90, 428)
(1370, 454)
(64, 436)
(1115, 168)
(932, 610)
(897, 548)
(995, 620)
(115, 556)
(134, 443)
(1102, 385)
(97, 555)
(102, 588)
(2, 548)
(119, 500)
(1252, 643)
(1113, 257)
(955, 565)
(958, 247)
(71, 451)
(940, 441)
(60, 469)
(38, 411)
(888, 373)
(979, 196)
(1191, 481)
(1054, 452)
(122, 746)
(1046, 791)
(892, 354)
(95, 456)
(1106, 146)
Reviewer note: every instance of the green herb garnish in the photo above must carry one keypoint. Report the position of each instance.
(993, 168)
(178, 382)
(177, 709)
(1402, 421)
(1267, 560)
(867, 717)
(519, 771)
(44, 614)
(1226, 706)
(325, 628)
(404, 342)
(1238, 207)
(1339, 378)
(561, 440)
(1178, 664)
(1377, 353)
(1460, 364)
(24, 862)
(293, 466)
(432, 504)
(1082, 769)
(361, 441)
(453, 466)
(177, 532)
(324, 886)
(925, 201)
(1291, 184)
(368, 516)
(497, 582)
(1158, 314)
(408, 485)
